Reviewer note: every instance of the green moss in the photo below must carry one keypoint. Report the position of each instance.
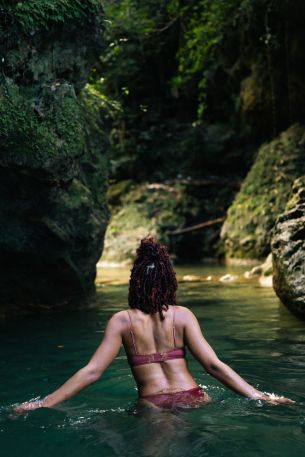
(36, 15)
(53, 131)
(20, 130)
(263, 195)
(297, 195)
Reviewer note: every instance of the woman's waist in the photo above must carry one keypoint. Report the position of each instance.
(163, 384)
(183, 398)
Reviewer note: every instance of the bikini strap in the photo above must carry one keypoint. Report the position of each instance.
(174, 326)
(132, 334)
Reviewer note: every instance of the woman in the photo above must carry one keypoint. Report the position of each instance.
(155, 332)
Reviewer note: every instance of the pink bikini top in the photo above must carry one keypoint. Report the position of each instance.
(157, 357)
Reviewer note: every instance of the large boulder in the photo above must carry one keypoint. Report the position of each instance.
(52, 164)
(288, 250)
(246, 233)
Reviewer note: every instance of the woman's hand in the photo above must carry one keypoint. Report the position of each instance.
(28, 406)
(277, 399)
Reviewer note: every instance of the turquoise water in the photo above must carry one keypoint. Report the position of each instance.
(244, 323)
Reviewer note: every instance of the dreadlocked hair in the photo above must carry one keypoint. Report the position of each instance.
(153, 284)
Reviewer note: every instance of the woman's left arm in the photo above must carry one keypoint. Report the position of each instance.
(90, 373)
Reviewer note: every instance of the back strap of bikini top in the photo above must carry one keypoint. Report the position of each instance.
(174, 326)
(158, 357)
(132, 334)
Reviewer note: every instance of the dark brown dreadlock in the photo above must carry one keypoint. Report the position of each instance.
(153, 284)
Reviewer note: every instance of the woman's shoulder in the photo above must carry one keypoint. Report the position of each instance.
(120, 318)
(183, 311)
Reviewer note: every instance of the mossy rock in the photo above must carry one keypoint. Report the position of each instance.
(127, 227)
(35, 15)
(53, 165)
(297, 195)
(155, 209)
(164, 209)
(246, 232)
(288, 251)
(50, 142)
(48, 40)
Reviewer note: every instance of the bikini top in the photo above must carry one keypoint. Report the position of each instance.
(157, 357)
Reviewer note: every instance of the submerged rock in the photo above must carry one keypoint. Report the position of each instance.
(52, 164)
(288, 249)
(246, 233)
(195, 278)
(263, 272)
(228, 278)
(266, 281)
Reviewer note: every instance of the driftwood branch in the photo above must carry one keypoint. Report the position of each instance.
(211, 181)
(200, 226)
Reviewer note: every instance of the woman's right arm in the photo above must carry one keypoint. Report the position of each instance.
(204, 353)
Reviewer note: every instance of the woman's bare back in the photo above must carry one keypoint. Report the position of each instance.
(147, 334)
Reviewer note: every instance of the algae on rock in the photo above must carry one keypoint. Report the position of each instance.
(53, 167)
(246, 233)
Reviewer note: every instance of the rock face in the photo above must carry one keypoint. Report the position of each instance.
(168, 210)
(288, 249)
(246, 232)
(139, 210)
(52, 167)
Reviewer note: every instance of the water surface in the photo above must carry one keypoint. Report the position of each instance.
(247, 326)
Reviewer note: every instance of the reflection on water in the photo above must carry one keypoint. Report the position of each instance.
(245, 324)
